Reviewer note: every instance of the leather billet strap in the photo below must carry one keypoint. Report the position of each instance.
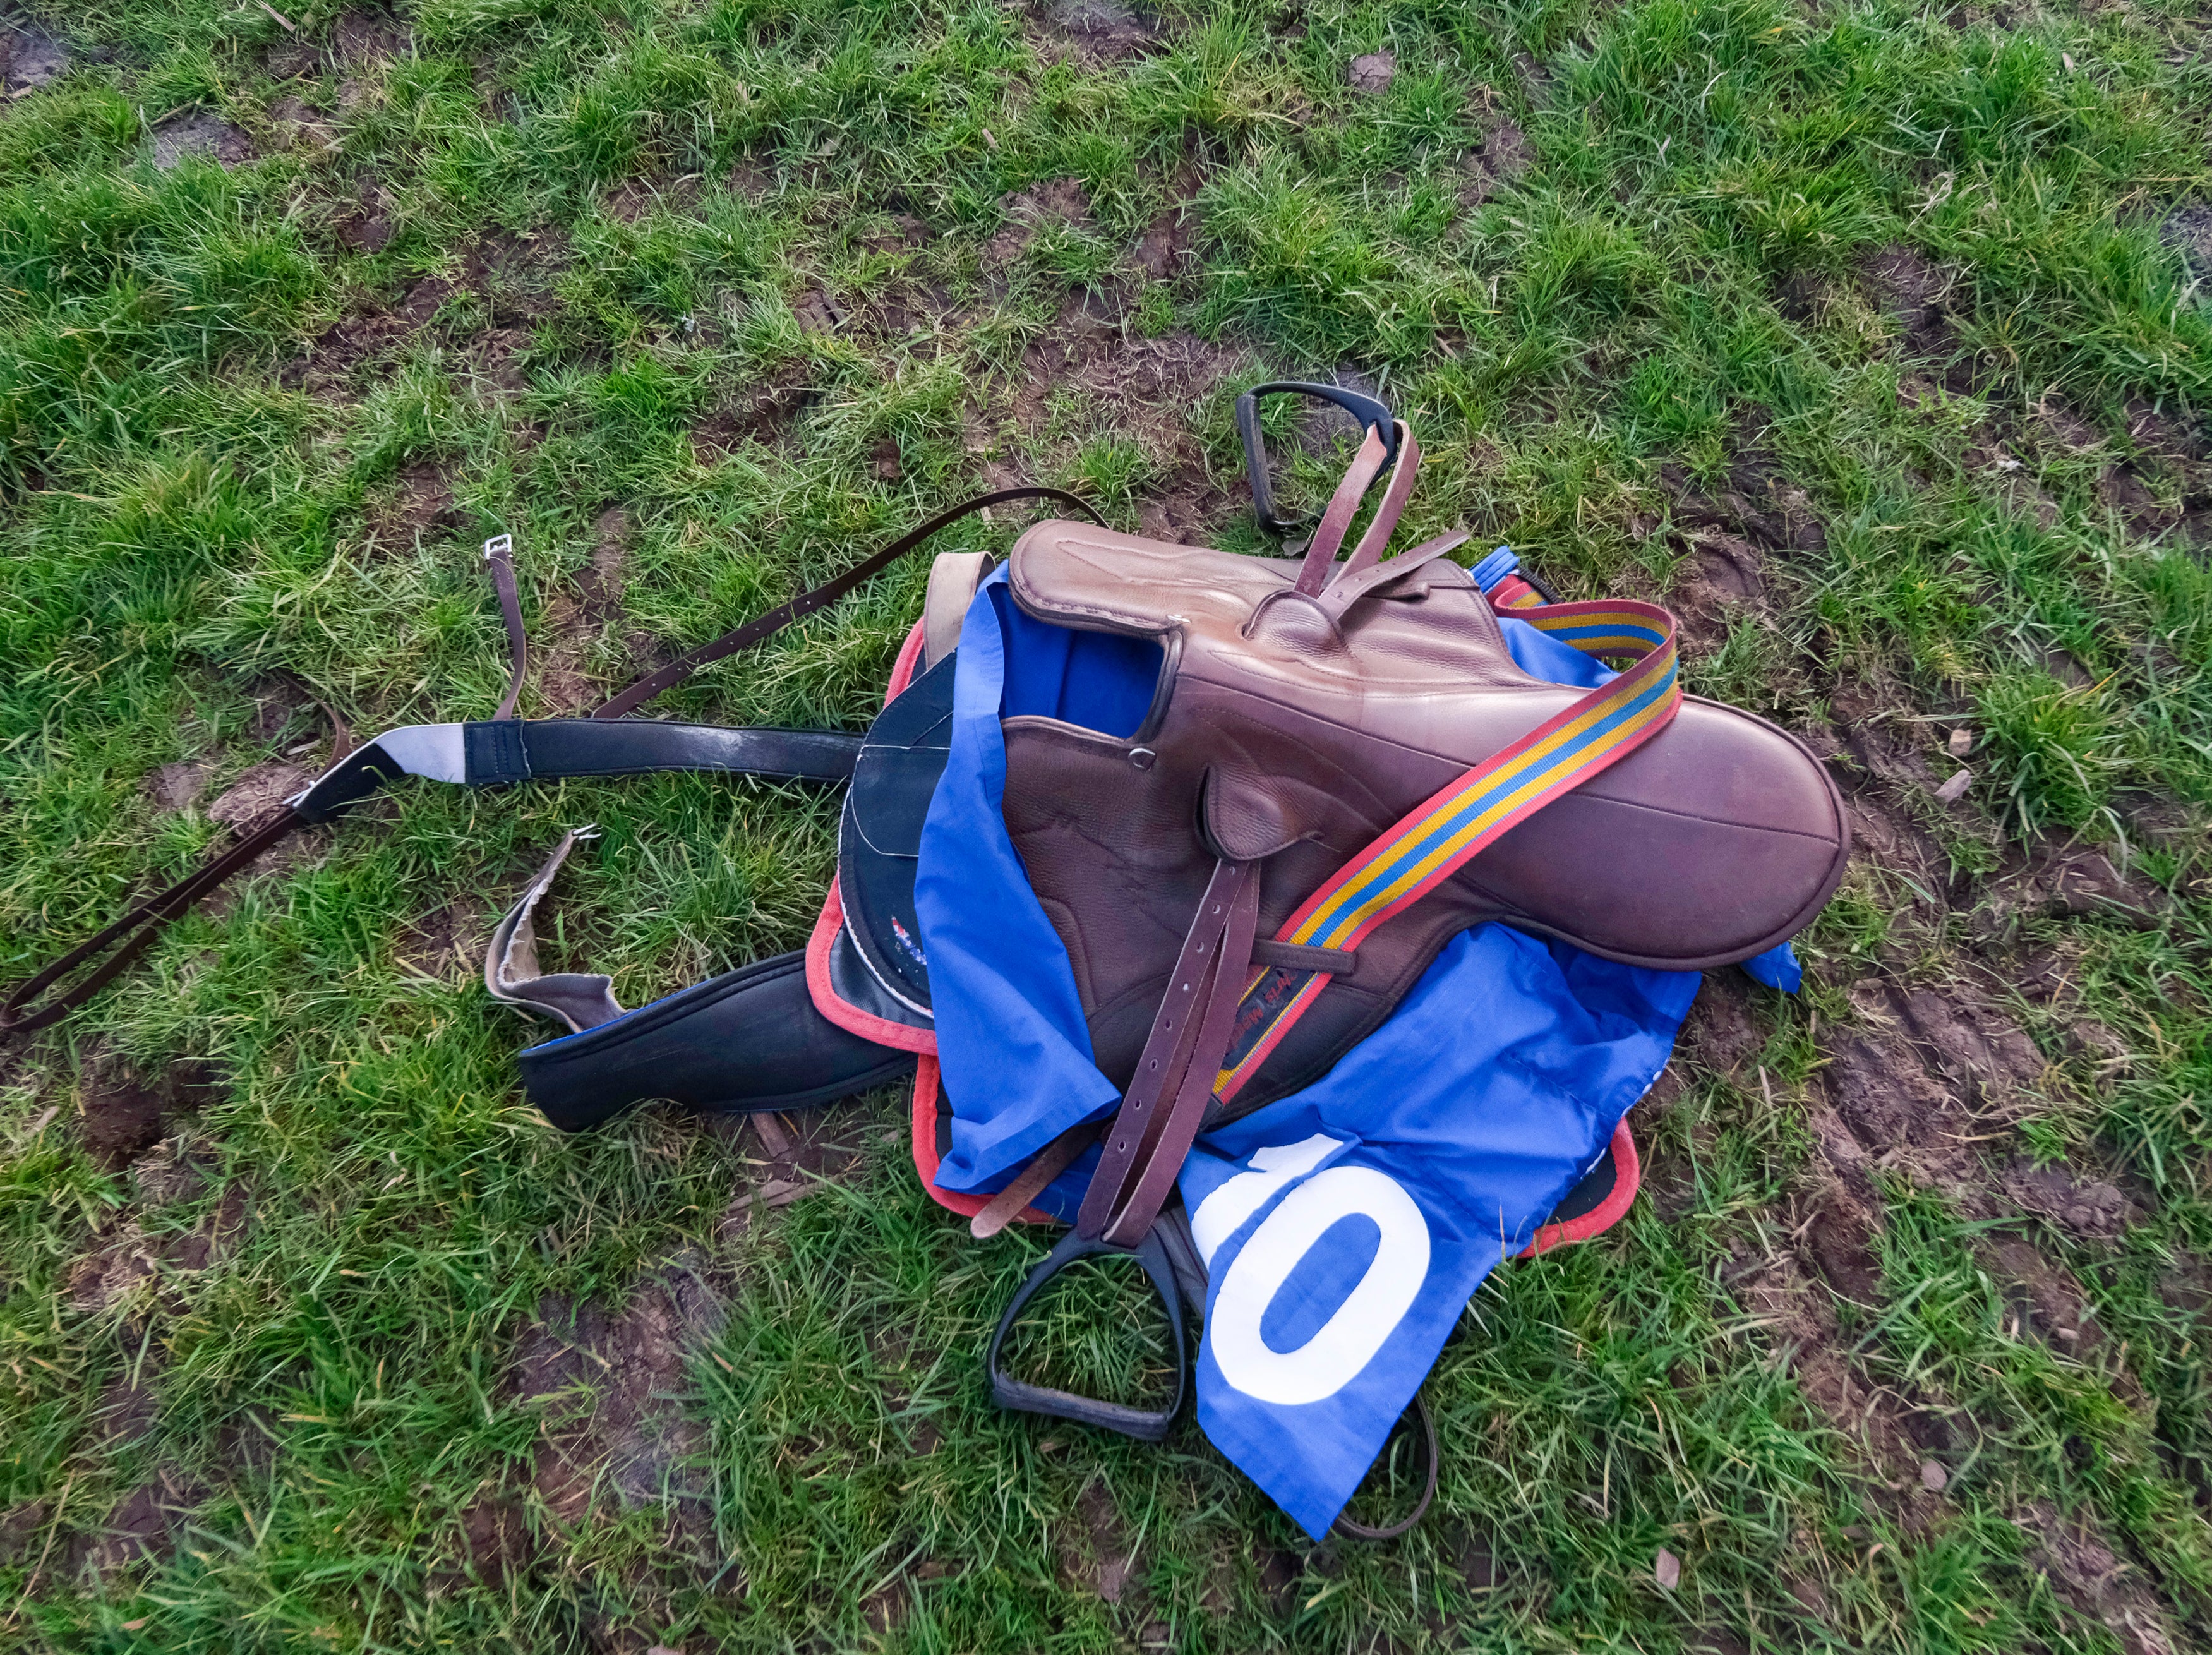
(755, 631)
(1168, 1097)
(1048, 1164)
(499, 556)
(125, 941)
(1146, 1425)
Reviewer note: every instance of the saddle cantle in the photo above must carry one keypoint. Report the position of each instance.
(1290, 728)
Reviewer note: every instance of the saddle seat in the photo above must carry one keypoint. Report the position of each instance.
(1289, 731)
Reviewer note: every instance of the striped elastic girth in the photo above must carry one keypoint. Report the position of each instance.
(1437, 838)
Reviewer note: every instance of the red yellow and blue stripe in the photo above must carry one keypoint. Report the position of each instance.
(1433, 841)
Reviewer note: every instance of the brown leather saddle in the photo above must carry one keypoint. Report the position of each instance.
(1304, 707)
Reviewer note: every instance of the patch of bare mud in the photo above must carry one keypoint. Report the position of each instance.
(1894, 1433)
(787, 1157)
(608, 1386)
(203, 134)
(2043, 1300)
(30, 57)
(124, 1111)
(1505, 154)
(1912, 291)
(257, 794)
(1930, 1079)
(1370, 73)
(763, 413)
(2093, 1581)
(1091, 31)
(1720, 579)
(1757, 500)
(143, 1528)
(513, 274)
(575, 621)
(1096, 1553)
(2061, 880)
(1146, 390)
(445, 944)
(177, 786)
(1055, 201)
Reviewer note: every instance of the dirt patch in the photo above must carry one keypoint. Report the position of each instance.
(30, 57)
(177, 786)
(1143, 389)
(1910, 290)
(361, 37)
(762, 414)
(1894, 1432)
(1095, 1551)
(200, 133)
(1932, 1075)
(1370, 75)
(123, 1110)
(126, 1409)
(1055, 200)
(289, 59)
(248, 801)
(1092, 31)
(170, 1174)
(423, 505)
(143, 1528)
(108, 1277)
(2005, 477)
(1721, 578)
(608, 1387)
(1163, 251)
(1504, 156)
(325, 366)
(496, 1542)
(1758, 502)
(1535, 79)
(2092, 1578)
(365, 230)
(216, 1236)
(573, 622)
(2045, 1301)
(2064, 881)
(2090, 1209)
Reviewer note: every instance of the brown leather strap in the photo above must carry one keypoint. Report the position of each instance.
(1167, 1099)
(1048, 1164)
(766, 626)
(1349, 589)
(1360, 1530)
(1384, 524)
(1343, 506)
(130, 936)
(498, 552)
(1339, 962)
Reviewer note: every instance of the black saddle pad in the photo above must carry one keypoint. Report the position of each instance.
(879, 840)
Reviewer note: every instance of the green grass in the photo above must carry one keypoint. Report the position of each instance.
(1688, 273)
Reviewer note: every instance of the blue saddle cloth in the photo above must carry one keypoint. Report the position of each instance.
(1345, 1226)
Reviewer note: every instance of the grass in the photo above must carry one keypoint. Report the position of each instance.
(768, 281)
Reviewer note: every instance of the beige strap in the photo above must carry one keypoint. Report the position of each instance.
(953, 578)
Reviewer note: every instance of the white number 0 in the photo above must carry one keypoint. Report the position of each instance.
(1347, 1341)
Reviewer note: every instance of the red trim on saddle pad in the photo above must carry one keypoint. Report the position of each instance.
(926, 1160)
(1627, 1179)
